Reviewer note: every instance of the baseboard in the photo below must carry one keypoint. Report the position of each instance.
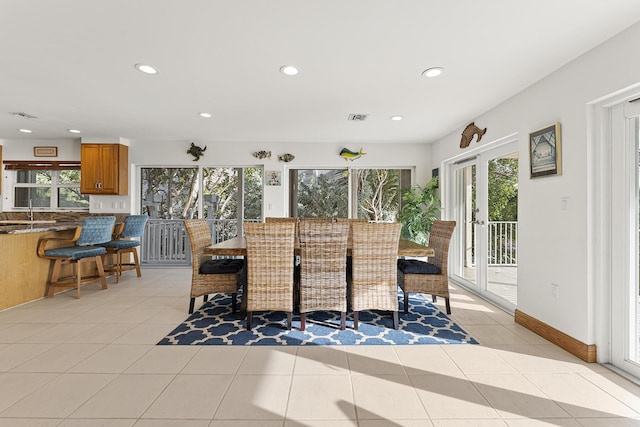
(586, 352)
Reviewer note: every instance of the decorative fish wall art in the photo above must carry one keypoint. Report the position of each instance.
(286, 157)
(262, 154)
(196, 151)
(469, 132)
(351, 155)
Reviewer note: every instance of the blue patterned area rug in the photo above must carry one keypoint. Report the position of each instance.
(214, 324)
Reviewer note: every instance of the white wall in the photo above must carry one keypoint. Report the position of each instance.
(149, 153)
(552, 244)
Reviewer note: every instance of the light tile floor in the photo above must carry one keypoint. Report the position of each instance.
(93, 362)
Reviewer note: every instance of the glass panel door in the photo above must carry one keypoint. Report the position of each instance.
(484, 203)
(466, 217)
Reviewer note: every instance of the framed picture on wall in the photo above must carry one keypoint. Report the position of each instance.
(273, 177)
(545, 151)
(45, 151)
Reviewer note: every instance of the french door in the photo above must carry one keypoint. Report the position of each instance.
(482, 196)
(625, 229)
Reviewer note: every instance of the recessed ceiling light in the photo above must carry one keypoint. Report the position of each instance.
(289, 70)
(25, 130)
(73, 130)
(205, 115)
(433, 72)
(147, 69)
(396, 118)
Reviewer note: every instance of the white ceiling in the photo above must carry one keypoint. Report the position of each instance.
(71, 64)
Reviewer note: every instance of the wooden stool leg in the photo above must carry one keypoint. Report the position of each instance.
(355, 320)
(303, 321)
(447, 305)
(289, 320)
(137, 262)
(55, 275)
(395, 319)
(118, 261)
(100, 267)
(78, 277)
(343, 320)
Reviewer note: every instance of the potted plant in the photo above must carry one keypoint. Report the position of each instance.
(420, 208)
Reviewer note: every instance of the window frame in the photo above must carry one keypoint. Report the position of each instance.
(53, 187)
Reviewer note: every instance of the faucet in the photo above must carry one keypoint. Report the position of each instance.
(30, 214)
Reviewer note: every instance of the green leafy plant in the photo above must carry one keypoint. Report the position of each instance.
(420, 208)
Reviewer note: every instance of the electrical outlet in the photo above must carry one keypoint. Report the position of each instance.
(555, 291)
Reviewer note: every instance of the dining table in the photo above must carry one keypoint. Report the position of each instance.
(237, 246)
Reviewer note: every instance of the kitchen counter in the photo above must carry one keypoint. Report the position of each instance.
(24, 274)
(36, 227)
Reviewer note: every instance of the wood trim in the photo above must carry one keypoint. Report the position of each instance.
(586, 352)
(40, 165)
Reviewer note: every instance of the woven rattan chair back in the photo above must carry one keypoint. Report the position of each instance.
(270, 249)
(432, 284)
(374, 284)
(323, 279)
(285, 219)
(351, 221)
(206, 284)
(316, 219)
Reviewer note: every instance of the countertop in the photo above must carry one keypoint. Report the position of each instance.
(37, 228)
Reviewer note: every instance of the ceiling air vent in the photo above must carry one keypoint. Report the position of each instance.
(24, 115)
(357, 117)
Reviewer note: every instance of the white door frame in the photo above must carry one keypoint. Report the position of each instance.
(449, 166)
(608, 204)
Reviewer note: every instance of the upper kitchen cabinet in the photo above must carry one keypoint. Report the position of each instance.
(104, 169)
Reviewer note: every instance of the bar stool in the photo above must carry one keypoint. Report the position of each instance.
(125, 242)
(93, 231)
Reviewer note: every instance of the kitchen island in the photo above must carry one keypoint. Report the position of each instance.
(24, 275)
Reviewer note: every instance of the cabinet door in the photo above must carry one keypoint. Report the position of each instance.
(90, 168)
(109, 167)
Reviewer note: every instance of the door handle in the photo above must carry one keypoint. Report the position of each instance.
(476, 222)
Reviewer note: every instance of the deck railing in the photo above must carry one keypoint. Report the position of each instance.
(503, 243)
(165, 241)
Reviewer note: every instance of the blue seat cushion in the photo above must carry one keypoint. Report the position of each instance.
(76, 252)
(121, 244)
(221, 266)
(414, 266)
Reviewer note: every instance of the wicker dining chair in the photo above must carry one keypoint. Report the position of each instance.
(316, 219)
(126, 241)
(323, 281)
(93, 231)
(270, 249)
(283, 219)
(351, 221)
(374, 281)
(210, 276)
(431, 277)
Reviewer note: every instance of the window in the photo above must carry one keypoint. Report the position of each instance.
(374, 194)
(47, 189)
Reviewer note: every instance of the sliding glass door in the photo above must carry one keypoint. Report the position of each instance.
(625, 231)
